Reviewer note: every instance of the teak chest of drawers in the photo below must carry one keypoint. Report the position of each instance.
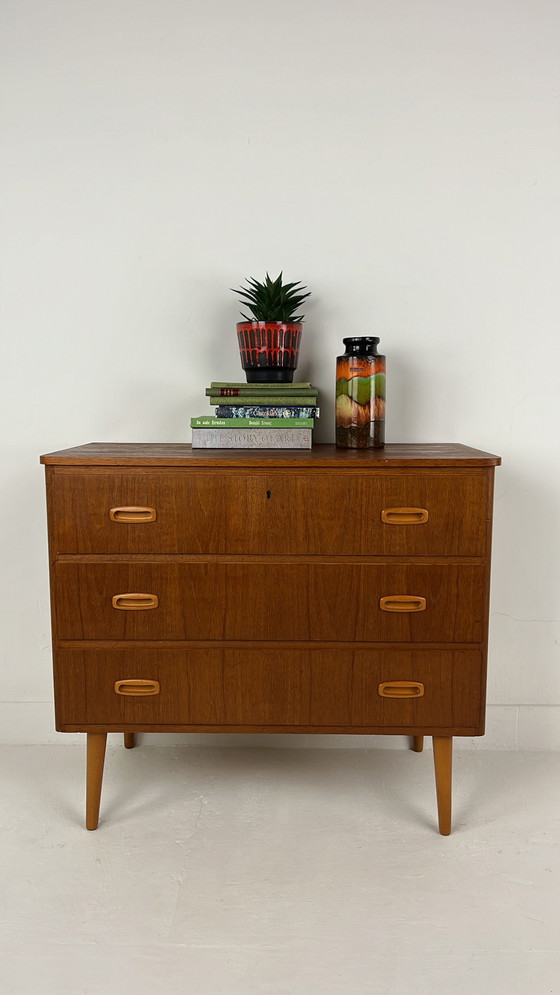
(321, 591)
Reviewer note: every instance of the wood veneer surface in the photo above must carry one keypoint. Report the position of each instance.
(301, 600)
(268, 569)
(179, 454)
(263, 687)
(319, 512)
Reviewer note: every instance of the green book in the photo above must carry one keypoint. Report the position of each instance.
(261, 390)
(250, 399)
(249, 386)
(210, 421)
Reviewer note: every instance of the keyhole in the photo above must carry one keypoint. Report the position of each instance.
(268, 493)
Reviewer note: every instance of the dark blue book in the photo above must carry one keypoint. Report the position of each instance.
(266, 411)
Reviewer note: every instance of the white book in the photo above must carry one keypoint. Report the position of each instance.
(251, 438)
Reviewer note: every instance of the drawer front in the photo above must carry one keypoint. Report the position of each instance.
(376, 514)
(150, 512)
(208, 687)
(421, 688)
(270, 601)
(254, 688)
(338, 513)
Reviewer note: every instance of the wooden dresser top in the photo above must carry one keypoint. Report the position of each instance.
(324, 455)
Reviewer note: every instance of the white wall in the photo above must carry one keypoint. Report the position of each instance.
(401, 157)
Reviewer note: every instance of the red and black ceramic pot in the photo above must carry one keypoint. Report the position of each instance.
(269, 349)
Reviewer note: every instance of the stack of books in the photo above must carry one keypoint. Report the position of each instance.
(257, 416)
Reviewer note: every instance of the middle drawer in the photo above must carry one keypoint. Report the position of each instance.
(270, 601)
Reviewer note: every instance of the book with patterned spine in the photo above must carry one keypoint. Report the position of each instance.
(266, 411)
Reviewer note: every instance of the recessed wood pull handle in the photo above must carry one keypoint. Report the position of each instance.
(137, 688)
(401, 689)
(404, 516)
(131, 515)
(135, 602)
(402, 603)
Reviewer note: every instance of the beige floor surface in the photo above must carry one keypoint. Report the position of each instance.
(278, 872)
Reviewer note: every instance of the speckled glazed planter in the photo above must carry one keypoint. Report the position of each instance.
(360, 395)
(269, 350)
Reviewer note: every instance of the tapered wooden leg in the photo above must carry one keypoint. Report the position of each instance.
(417, 744)
(96, 743)
(443, 762)
(129, 740)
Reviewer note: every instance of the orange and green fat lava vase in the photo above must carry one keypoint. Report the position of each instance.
(360, 395)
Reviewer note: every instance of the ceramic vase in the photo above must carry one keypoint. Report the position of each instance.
(360, 395)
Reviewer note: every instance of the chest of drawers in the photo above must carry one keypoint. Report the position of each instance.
(322, 591)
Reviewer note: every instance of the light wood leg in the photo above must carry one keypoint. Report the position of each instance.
(417, 744)
(96, 743)
(129, 740)
(443, 763)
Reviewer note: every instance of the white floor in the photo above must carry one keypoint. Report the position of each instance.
(289, 872)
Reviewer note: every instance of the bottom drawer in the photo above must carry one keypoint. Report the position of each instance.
(310, 689)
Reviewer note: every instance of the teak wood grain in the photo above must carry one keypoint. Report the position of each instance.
(255, 513)
(178, 454)
(255, 584)
(302, 601)
(261, 687)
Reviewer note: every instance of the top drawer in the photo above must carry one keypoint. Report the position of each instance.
(383, 513)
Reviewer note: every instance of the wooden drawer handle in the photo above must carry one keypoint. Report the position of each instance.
(401, 689)
(402, 603)
(135, 602)
(404, 516)
(137, 688)
(139, 515)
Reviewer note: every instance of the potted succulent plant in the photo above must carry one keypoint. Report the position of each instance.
(269, 340)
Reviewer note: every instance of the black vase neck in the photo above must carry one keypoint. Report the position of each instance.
(361, 345)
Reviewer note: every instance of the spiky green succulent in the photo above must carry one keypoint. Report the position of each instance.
(272, 300)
